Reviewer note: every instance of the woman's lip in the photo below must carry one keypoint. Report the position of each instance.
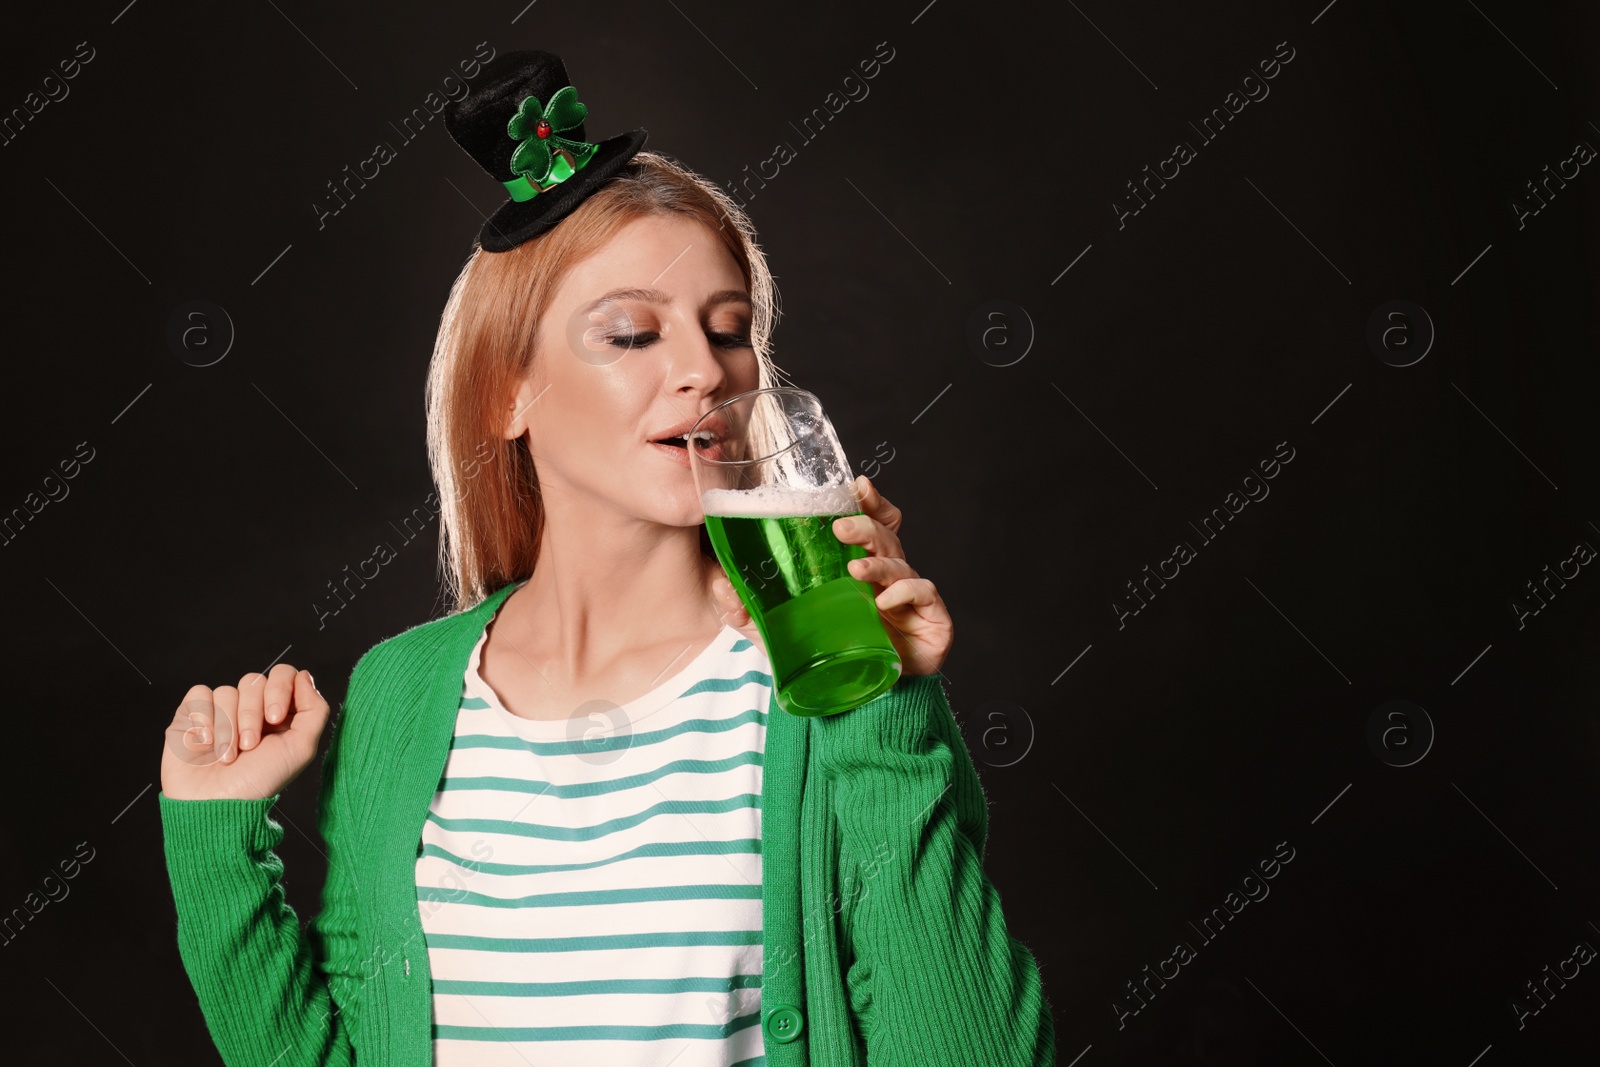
(678, 455)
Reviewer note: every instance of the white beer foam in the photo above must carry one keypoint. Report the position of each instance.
(774, 501)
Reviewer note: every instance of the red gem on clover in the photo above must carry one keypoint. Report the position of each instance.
(543, 129)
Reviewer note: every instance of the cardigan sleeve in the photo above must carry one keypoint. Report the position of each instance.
(272, 994)
(935, 977)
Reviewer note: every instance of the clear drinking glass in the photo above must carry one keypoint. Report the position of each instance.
(772, 479)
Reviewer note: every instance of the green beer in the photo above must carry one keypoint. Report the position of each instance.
(828, 648)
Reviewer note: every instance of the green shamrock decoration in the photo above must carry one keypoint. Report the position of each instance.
(533, 157)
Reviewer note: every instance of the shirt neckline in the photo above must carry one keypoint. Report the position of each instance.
(603, 719)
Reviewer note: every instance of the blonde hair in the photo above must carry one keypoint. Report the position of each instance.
(491, 516)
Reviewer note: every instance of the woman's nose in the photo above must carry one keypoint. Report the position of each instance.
(695, 365)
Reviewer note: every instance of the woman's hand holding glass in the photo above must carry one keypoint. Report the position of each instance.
(913, 612)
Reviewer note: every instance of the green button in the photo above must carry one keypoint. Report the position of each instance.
(784, 1022)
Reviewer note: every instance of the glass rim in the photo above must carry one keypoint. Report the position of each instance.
(695, 453)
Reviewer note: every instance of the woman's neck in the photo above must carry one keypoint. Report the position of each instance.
(598, 592)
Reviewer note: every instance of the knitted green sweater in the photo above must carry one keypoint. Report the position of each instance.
(883, 939)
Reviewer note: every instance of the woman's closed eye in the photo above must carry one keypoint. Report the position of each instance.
(646, 338)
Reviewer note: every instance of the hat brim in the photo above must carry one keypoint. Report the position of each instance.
(516, 221)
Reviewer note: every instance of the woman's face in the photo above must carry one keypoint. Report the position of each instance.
(640, 339)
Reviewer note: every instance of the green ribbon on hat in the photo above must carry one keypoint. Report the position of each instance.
(545, 159)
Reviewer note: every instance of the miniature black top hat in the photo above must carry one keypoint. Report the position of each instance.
(524, 125)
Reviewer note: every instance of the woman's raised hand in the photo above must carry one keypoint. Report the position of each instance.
(243, 742)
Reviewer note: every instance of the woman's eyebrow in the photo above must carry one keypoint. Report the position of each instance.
(656, 296)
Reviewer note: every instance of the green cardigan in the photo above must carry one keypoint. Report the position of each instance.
(883, 938)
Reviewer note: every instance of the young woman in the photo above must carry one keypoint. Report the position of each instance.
(567, 823)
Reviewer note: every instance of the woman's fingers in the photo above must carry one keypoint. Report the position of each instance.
(309, 715)
(728, 604)
(882, 570)
(875, 529)
(224, 721)
(869, 533)
(278, 695)
(191, 723)
(203, 757)
(197, 739)
(873, 503)
(914, 591)
(252, 691)
(729, 607)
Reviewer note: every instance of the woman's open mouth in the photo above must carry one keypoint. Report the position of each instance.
(677, 448)
(674, 448)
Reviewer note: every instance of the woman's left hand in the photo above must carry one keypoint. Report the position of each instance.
(913, 612)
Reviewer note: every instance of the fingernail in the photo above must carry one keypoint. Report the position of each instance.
(247, 738)
(312, 679)
(274, 712)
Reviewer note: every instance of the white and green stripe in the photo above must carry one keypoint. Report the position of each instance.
(598, 899)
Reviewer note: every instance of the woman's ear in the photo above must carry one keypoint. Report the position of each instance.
(523, 398)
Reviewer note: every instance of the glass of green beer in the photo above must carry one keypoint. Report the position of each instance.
(772, 478)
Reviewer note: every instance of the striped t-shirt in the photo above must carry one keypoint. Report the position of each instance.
(590, 889)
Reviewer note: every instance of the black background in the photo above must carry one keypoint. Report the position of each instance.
(1130, 793)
